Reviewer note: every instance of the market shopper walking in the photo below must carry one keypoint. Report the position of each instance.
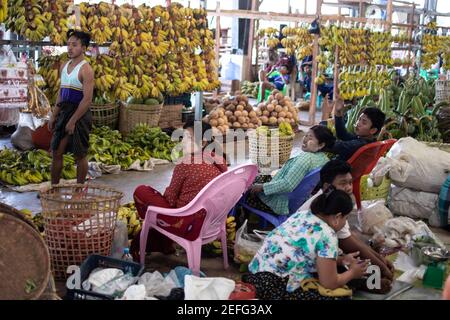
(71, 119)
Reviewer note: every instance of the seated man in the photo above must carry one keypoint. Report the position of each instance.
(275, 80)
(337, 173)
(367, 128)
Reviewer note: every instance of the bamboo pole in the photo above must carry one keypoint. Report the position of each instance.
(217, 49)
(389, 14)
(247, 74)
(313, 107)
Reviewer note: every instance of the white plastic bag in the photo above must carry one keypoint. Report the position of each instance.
(156, 284)
(207, 288)
(417, 166)
(135, 292)
(247, 245)
(99, 277)
(373, 217)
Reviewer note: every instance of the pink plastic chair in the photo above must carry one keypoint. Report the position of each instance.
(217, 198)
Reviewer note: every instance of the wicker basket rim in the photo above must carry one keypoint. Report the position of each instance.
(48, 195)
(130, 105)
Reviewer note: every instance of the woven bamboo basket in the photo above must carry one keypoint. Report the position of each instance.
(171, 116)
(105, 115)
(269, 153)
(79, 220)
(133, 114)
(25, 269)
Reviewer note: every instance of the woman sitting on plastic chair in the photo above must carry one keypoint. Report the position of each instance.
(270, 196)
(191, 174)
(276, 79)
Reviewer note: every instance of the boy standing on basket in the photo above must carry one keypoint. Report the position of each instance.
(71, 120)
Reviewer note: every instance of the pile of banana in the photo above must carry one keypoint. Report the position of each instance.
(322, 65)
(3, 10)
(129, 215)
(153, 141)
(31, 167)
(107, 147)
(58, 25)
(250, 88)
(357, 82)
(216, 246)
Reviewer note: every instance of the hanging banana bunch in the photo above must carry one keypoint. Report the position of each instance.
(59, 24)
(3, 10)
(29, 19)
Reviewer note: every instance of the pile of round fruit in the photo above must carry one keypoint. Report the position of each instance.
(277, 109)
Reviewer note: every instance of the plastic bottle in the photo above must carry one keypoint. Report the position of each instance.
(127, 255)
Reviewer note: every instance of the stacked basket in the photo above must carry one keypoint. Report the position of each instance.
(79, 220)
(171, 116)
(133, 114)
(105, 115)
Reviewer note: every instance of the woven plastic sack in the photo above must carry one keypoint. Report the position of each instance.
(373, 217)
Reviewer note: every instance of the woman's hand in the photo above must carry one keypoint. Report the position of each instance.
(358, 269)
(257, 188)
(350, 258)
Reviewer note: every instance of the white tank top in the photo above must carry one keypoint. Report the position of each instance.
(71, 81)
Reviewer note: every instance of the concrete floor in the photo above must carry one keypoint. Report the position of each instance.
(159, 178)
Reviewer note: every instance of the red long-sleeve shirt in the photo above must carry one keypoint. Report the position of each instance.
(189, 179)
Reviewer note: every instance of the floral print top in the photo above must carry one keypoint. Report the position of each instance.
(293, 247)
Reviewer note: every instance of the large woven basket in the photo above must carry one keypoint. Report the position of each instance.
(269, 153)
(133, 114)
(79, 220)
(442, 91)
(105, 115)
(171, 116)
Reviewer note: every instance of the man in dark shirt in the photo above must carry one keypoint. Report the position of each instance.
(367, 128)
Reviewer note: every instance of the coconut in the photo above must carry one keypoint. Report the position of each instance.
(274, 114)
(213, 122)
(279, 96)
(232, 119)
(221, 121)
(282, 114)
(238, 113)
(245, 113)
(214, 115)
(254, 120)
(241, 119)
(280, 120)
(264, 119)
(261, 105)
(245, 125)
(288, 115)
(228, 113)
(240, 107)
(270, 107)
(273, 120)
(252, 114)
(278, 108)
(236, 125)
(266, 113)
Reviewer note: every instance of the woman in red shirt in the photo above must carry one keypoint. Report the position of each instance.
(191, 174)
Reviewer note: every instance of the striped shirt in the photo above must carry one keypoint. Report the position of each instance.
(71, 87)
(288, 178)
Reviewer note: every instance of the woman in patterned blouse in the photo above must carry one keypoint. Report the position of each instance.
(303, 248)
(272, 196)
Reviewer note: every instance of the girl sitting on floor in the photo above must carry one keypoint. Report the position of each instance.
(271, 196)
(298, 260)
(192, 173)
